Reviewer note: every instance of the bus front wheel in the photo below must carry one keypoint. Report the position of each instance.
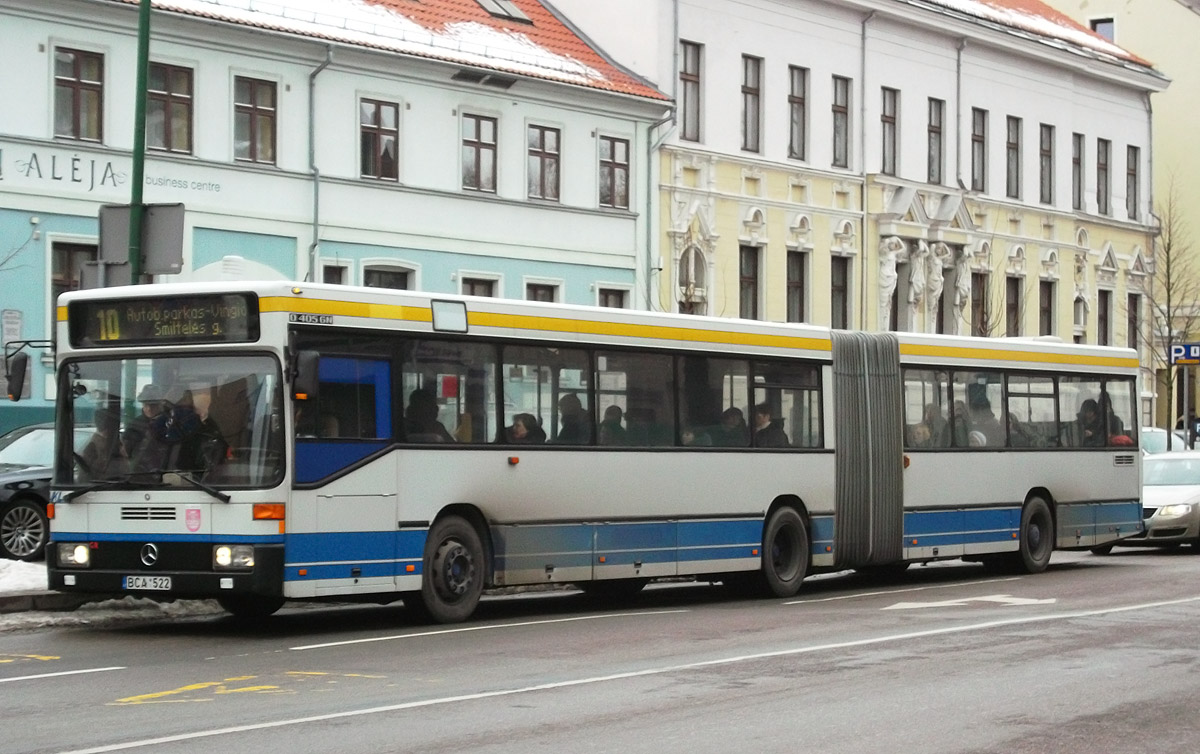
(785, 552)
(454, 570)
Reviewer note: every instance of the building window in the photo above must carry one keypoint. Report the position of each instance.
(1077, 144)
(169, 108)
(1046, 164)
(798, 120)
(478, 287)
(887, 120)
(334, 274)
(379, 127)
(937, 149)
(1012, 307)
(1133, 157)
(751, 103)
(748, 282)
(1105, 27)
(979, 304)
(479, 153)
(612, 298)
(1103, 310)
(78, 94)
(1103, 151)
(67, 262)
(841, 122)
(797, 286)
(386, 277)
(839, 293)
(253, 120)
(689, 84)
(1133, 322)
(1013, 153)
(1046, 307)
(693, 274)
(540, 292)
(543, 163)
(614, 172)
(979, 119)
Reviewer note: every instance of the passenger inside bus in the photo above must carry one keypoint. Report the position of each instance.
(104, 454)
(1091, 429)
(732, 431)
(611, 431)
(525, 430)
(576, 423)
(421, 418)
(768, 431)
(983, 421)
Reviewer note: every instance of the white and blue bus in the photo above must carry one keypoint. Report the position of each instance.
(263, 442)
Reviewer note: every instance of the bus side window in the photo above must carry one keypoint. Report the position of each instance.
(710, 393)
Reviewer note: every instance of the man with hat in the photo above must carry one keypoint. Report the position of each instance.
(137, 431)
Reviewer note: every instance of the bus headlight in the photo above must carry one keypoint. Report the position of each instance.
(1171, 511)
(74, 555)
(233, 556)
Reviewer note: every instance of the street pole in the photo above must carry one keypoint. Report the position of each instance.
(139, 145)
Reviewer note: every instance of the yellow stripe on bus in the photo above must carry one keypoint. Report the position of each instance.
(996, 354)
(344, 308)
(665, 332)
(61, 313)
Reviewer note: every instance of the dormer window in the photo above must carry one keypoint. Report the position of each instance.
(505, 9)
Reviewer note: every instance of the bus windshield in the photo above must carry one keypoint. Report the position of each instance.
(217, 420)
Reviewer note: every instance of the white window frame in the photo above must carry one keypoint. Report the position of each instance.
(391, 263)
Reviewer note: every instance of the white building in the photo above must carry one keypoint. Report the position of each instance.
(477, 147)
(931, 165)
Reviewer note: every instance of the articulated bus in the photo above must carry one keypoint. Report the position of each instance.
(263, 442)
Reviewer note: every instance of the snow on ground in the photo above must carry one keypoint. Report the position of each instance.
(17, 577)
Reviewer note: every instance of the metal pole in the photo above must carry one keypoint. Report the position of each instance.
(139, 144)
(1187, 419)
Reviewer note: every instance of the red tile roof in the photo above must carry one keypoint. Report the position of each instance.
(456, 31)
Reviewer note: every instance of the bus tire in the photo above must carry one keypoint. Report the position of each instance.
(784, 552)
(249, 606)
(454, 570)
(1037, 537)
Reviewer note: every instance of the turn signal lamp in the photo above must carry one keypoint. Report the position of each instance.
(268, 511)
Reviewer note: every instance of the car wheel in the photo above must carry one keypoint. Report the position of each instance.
(24, 530)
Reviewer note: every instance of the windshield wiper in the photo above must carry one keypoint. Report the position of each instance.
(112, 483)
(202, 486)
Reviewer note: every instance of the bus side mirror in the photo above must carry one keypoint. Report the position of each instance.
(16, 375)
(305, 379)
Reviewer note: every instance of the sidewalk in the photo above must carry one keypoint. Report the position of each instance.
(23, 588)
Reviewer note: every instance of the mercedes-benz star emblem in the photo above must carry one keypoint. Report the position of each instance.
(149, 553)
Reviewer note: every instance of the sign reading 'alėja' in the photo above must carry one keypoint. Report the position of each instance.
(78, 170)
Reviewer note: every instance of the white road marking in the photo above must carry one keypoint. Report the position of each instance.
(60, 673)
(899, 591)
(491, 627)
(1002, 599)
(624, 676)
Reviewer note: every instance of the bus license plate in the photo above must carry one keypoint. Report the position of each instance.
(156, 583)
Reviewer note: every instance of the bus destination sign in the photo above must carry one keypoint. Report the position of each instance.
(179, 320)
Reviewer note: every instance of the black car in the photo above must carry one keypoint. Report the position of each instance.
(26, 457)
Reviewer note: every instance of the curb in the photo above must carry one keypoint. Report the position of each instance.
(20, 602)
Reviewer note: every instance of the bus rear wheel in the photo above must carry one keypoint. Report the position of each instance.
(1037, 537)
(785, 552)
(454, 570)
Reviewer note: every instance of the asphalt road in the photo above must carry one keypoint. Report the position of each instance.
(1098, 654)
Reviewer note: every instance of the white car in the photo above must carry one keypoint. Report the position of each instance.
(1154, 440)
(1170, 501)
